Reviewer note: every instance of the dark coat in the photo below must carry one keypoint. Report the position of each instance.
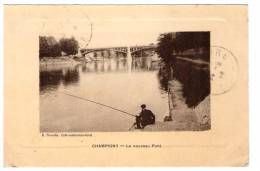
(147, 117)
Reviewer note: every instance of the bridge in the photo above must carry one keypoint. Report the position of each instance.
(123, 49)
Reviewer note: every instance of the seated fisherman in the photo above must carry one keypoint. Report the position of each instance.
(146, 117)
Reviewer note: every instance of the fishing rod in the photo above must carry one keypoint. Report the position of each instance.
(129, 114)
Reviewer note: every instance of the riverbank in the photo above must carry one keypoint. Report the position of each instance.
(54, 63)
(183, 118)
(57, 60)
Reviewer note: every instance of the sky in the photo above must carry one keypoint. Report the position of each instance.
(111, 26)
(122, 32)
(108, 27)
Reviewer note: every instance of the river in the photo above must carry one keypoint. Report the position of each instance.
(114, 82)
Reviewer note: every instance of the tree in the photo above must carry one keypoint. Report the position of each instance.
(188, 40)
(43, 50)
(48, 47)
(193, 40)
(165, 51)
(69, 45)
(165, 48)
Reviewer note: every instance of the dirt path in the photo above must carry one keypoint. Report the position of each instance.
(183, 118)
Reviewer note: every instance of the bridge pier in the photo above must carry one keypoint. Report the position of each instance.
(127, 51)
(129, 59)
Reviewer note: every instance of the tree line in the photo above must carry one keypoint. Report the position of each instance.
(195, 79)
(50, 47)
(170, 43)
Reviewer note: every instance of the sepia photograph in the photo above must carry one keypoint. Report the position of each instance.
(125, 85)
(123, 74)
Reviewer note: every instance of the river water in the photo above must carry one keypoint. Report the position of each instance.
(119, 83)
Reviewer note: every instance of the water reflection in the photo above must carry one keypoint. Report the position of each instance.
(49, 79)
(70, 76)
(163, 77)
(194, 78)
(144, 63)
(106, 65)
(112, 81)
(52, 77)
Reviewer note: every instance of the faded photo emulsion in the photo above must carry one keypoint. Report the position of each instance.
(155, 81)
(125, 85)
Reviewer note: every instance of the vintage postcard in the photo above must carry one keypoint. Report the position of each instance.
(125, 85)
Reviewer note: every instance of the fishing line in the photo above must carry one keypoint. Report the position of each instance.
(85, 99)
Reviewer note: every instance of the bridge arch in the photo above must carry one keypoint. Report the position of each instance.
(102, 50)
(142, 49)
(124, 50)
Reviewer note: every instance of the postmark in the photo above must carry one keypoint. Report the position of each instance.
(78, 25)
(224, 70)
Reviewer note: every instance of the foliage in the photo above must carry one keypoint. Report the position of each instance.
(49, 47)
(165, 47)
(189, 40)
(194, 78)
(169, 43)
(69, 45)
